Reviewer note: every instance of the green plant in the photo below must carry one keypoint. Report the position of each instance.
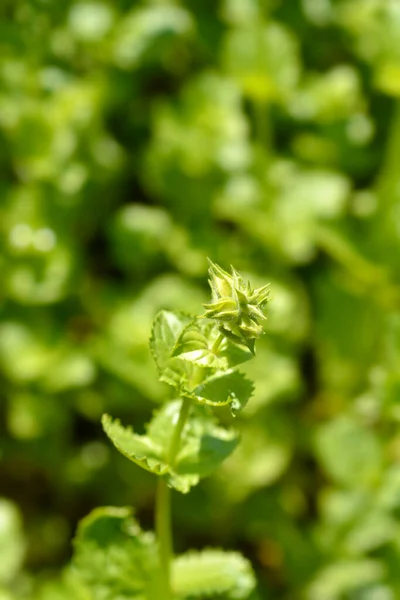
(198, 358)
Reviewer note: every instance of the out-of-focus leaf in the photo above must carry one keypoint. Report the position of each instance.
(263, 58)
(345, 577)
(350, 453)
(12, 543)
(145, 34)
(212, 573)
(262, 456)
(114, 558)
(332, 96)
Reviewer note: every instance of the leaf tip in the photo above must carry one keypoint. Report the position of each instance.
(106, 419)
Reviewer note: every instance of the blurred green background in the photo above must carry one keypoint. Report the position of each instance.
(136, 139)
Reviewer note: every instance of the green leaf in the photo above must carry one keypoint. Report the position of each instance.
(167, 327)
(235, 352)
(349, 452)
(114, 559)
(263, 59)
(177, 374)
(344, 578)
(212, 573)
(12, 543)
(204, 445)
(63, 586)
(202, 343)
(230, 387)
(138, 448)
(199, 343)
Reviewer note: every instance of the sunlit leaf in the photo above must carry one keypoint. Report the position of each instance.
(203, 445)
(212, 573)
(229, 387)
(202, 343)
(167, 327)
(12, 543)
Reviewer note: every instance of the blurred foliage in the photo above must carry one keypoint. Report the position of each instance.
(136, 139)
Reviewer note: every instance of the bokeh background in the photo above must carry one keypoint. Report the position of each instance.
(136, 139)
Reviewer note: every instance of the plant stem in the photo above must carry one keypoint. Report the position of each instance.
(217, 343)
(176, 437)
(163, 505)
(388, 177)
(163, 530)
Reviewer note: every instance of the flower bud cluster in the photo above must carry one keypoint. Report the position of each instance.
(236, 306)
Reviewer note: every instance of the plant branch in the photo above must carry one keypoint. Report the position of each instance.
(176, 437)
(163, 505)
(216, 345)
(163, 531)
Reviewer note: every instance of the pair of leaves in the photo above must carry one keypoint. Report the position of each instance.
(115, 560)
(197, 360)
(203, 445)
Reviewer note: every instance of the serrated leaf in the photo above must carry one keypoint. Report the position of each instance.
(212, 573)
(236, 353)
(114, 559)
(177, 373)
(198, 344)
(138, 448)
(202, 343)
(203, 447)
(167, 327)
(230, 387)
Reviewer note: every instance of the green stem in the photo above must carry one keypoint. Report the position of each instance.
(217, 343)
(163, 505)
(176, 438)
(164, 537)
(385, 232)
(388, 177)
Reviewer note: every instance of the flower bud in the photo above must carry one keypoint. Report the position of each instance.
(236, 306)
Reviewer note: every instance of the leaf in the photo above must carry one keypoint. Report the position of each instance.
(177, 373)
(230, 387)
(263, 59)
(212, 573)
(203, 447)
(12, 543)
(344, 578)
(167, 327)
(236, 353)
(349, 452)
(202, 343)
(138, 448)
(114, 559)
(198, 343)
